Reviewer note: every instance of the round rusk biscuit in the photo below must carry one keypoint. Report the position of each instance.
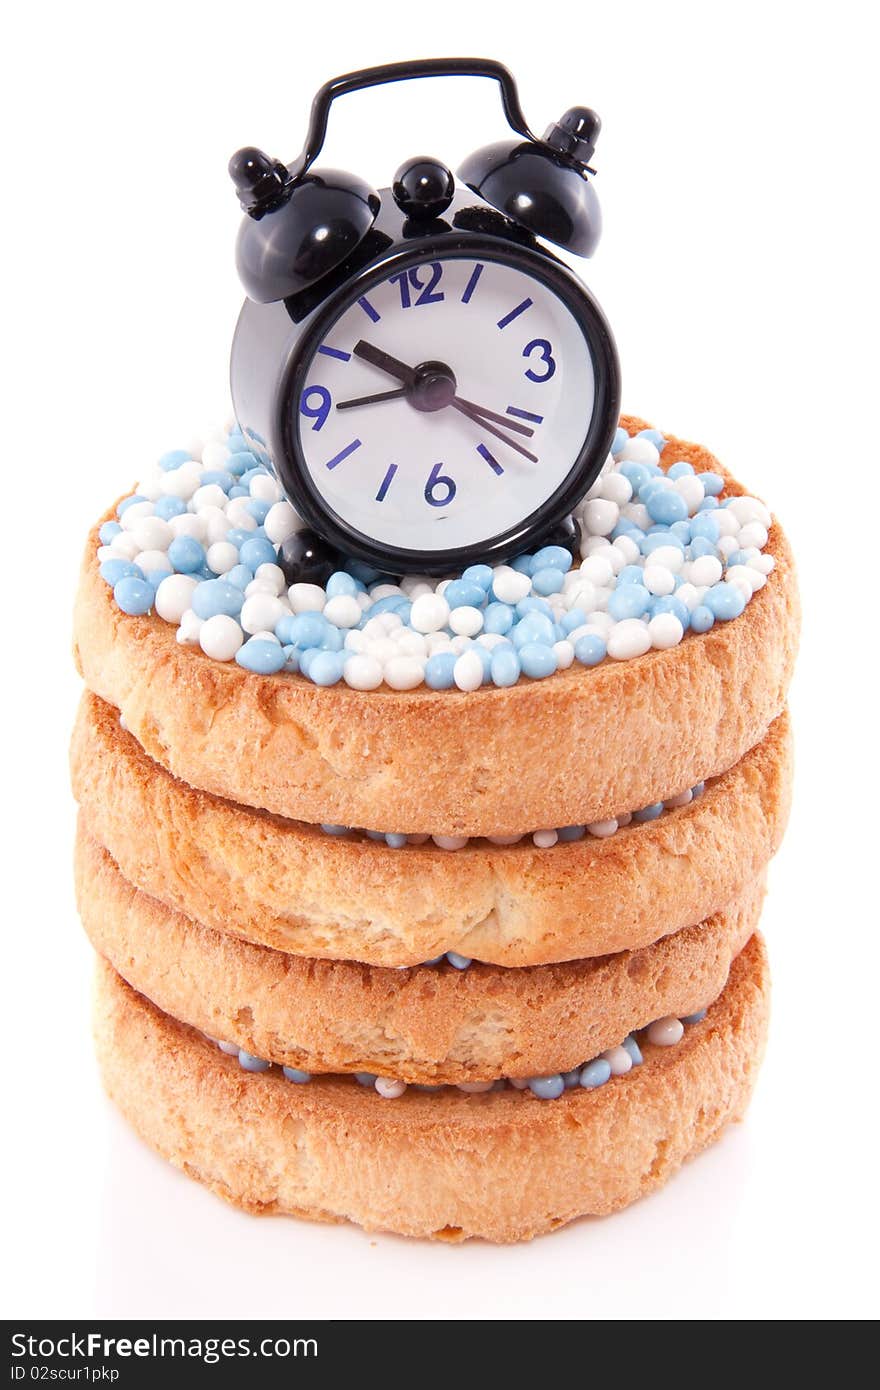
(429, 1024)
(283, 884)
(579, 747)
(502, 1165)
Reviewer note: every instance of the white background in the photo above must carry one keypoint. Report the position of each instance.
(738, 175)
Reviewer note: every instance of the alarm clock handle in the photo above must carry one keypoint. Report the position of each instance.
(403, 72)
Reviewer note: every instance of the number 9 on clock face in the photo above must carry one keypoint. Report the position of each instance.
(453, 407)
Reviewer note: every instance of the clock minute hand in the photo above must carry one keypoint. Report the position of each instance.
(499, 419)
(478, 419)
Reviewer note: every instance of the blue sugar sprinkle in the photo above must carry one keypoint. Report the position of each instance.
(384, 605)
(240, 463)
(333, 640)
(631, 574)
(595, 1074)
(258, 508)
(534, 627)
(365, 1078)
(571, 1079)
(702, 618)
(554, 557)
(155, 577)
(215, 596)
(457, 961)
(134, 596)
(460, 594)
(240, 576)
(294, 1074)
(256, 552)
(248, 1062)
(108, 531)
(395, 841)
(658, 539)
(670, 604)
(365, 574)
(548, 581)
(620, 441)
(666, 506)
(186, 554)
(306, 659)
(325, 668)
(680, 470)
(698, 789)
(655, 482)
(335, 829)
(168, 507)
(629, 601)
(589, 650)
(546, 1087)
(695, 1018)
(649, 812)
(570, 833)
(438, 671)
(737, 557)
(575, 617)
(537, 660)
(218, 476)
(631, 1046)
(636, 474)
(705, 527)
(522, 564)
(261, 656)
(700, 546)
(712, 483)
(173, 459)
(725, 600)
(534, 604)
(480, 575)
(111, 571)
(302, 630)
(655, 437)
(341, 584)
(131, 501)
(238, 491)
(498, 618)
(505, 667)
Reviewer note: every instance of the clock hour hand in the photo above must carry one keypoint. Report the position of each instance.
(371, 400)
(394, 367)
(383, 360)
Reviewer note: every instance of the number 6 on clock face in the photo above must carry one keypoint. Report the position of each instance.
(449, 402)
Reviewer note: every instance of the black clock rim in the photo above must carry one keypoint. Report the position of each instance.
(533, 260)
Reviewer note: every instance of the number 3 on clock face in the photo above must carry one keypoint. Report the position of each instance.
(515, 354)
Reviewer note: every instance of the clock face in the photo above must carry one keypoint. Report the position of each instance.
(485, 387)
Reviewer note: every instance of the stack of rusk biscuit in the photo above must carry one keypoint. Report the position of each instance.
(221, 911)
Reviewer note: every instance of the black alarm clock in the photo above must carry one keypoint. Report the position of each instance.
(430, 385)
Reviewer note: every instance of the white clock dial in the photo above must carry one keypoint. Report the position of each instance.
(437, 479)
